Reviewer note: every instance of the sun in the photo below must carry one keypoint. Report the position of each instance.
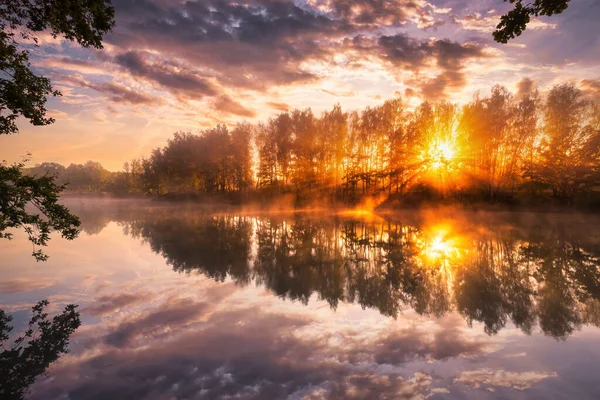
(441, 154)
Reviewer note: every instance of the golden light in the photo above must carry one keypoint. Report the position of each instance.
(440, 247)
(440, 154)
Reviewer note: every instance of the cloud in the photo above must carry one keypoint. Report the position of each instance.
(278, 106)
(114, 91)
(487, 23)
(501, 378)
(449, 57)
(591, 88)
(339, 94)
(74, 64)
(208, 49)
(258, 44)
(226, 105)
(244, 44)
(177, 80)
(24, 285)
(122, 94)
(525, 87)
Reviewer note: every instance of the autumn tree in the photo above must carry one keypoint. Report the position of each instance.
(485, 128)
(568, 150)
(333, 136)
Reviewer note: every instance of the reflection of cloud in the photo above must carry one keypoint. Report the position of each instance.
(502, 378)
(400, 347)
(24, 285)
(111, 303)
(215, 349)
(180, 313)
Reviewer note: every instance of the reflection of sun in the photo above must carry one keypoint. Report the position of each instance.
(440, 253)
(440, 247)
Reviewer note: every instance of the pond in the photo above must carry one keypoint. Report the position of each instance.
(184, 302)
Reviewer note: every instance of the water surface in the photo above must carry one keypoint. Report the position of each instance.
(182, 302)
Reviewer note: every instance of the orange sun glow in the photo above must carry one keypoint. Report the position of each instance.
(440, 154)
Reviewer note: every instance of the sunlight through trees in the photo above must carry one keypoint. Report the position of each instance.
(498, 147)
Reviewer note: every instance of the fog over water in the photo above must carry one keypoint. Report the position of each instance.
(179, 301)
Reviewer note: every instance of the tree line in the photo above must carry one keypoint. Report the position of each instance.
(502, 146)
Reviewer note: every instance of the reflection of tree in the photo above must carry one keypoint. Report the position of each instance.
(296, 260)
(216, 246)
(541, 274)
(32, 353)
(478, 289)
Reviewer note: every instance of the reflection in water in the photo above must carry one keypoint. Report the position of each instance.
(535, 273)
(380, 308)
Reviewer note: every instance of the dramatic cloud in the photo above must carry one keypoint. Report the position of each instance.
(449, 58)
(193, 49)
(181, 83)
(213, 350)
(201, 62)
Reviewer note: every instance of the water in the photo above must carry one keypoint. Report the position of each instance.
(179, 302)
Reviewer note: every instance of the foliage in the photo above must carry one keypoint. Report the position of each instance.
(22, 93)
(31, 354)
(513, 23)
(19, 192)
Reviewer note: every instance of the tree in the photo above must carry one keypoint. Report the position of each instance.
(569, 147)
(486, 127)
(17, 191)
(514, 22)
(22, 93)
(32, 353)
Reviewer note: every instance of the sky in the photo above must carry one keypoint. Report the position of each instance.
(172, 66)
